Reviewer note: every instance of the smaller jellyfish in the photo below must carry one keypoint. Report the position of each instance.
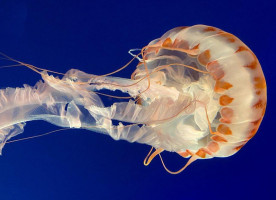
(197, 91)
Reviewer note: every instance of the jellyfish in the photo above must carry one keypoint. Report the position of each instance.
(197, 91)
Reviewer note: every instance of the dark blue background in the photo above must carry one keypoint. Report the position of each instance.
(95, 36)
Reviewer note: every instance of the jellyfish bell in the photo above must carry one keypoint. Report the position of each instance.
(197, 91)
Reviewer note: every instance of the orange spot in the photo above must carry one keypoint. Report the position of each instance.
(148, 51)
(226, 114)
(215, 69)
(167, 43)
(195, 47)
(204, 57)
(252, 65)
(221, 86)
(182, 44)
(257, 122)
(139, 101)
(218, 138)
(258, 92)
(194, 50)
(225, 100)
(264, 110)
(223, 129)
(239, 147)
(242, 48)
(255, 128)
(183, 27)
(230, 38)
(253, 132)
(260, 82)
(210, 28)
(189, 152)
(213, 146)
(201, 153)
(259, 104)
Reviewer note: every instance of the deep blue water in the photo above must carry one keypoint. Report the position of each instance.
(95, 36)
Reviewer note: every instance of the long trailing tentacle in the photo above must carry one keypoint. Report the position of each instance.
(190, 161)
(149, 157)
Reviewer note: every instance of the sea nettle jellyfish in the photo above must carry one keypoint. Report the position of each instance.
(197, 91)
